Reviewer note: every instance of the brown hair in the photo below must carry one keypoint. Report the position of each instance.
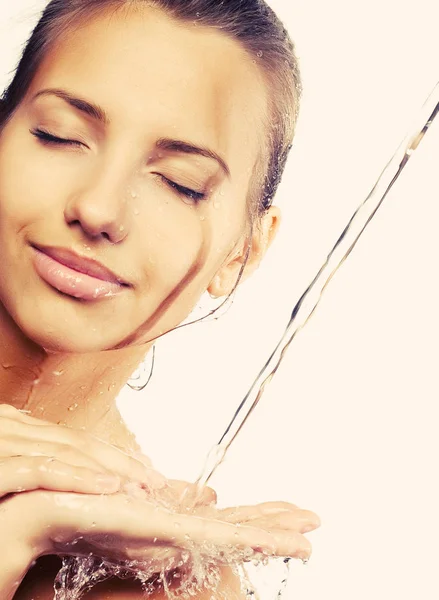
(250, 22)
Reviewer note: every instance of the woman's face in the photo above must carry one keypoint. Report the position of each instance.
(123, 180)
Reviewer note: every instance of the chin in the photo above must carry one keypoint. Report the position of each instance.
(63, 331)
(67, 341)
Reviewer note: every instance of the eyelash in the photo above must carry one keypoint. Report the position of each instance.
(47, 138)
(183, 191)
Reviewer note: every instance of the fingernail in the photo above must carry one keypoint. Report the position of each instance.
(156, 480)
(107, 483)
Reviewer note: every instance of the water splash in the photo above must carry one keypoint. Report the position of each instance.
(195, 567)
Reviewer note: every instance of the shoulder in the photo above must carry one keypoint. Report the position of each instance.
(130, 590)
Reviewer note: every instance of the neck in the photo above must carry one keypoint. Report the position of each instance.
(78, 390)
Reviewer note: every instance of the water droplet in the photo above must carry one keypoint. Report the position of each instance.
(121, 228)
(202, 218)
(57, 373)
(260, 53)
(136, 211)
(216, 204)
(133, 194)
(73, 407)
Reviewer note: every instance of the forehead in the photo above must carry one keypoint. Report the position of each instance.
(162, 77)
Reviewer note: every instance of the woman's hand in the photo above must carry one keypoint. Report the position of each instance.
(119, 527)
(35, 454)
(276, 517)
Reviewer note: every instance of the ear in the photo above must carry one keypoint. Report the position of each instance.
(264, 232)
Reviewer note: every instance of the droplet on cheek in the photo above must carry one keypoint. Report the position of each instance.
(216, 204)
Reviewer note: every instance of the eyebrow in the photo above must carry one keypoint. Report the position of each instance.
(188, 148)
(91, 110)
(98, 114)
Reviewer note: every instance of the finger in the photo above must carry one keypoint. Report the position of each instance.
(273, 514)
(22, 474)
(108, 457)
(302, 521)
(186, 493)
(237, 514)
(20, 446)
(142, 522)
(10, 412)
(292, 545)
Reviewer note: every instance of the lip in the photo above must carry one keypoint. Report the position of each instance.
(74, 275)
(82, 264)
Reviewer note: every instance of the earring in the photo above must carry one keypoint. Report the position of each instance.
(142, 375)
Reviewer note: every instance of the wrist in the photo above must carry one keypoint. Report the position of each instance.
(17, 559)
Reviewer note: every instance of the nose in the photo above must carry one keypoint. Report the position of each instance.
(100, 211)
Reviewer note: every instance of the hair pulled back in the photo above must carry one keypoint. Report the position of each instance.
(251, 23)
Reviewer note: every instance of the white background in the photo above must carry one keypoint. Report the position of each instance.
(348, 426)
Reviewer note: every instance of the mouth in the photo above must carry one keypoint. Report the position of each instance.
(76, 276)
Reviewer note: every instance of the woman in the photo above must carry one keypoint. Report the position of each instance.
(141, 144)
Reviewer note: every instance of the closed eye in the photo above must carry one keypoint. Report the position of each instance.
(184, 191)
(47, 138)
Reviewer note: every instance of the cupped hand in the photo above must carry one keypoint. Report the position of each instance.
(123, 528)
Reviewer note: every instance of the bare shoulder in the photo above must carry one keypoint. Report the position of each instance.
(229, 588)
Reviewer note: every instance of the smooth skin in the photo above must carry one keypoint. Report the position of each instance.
(107, 184)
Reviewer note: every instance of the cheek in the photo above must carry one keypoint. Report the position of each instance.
(172, 242)
(27, 184)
